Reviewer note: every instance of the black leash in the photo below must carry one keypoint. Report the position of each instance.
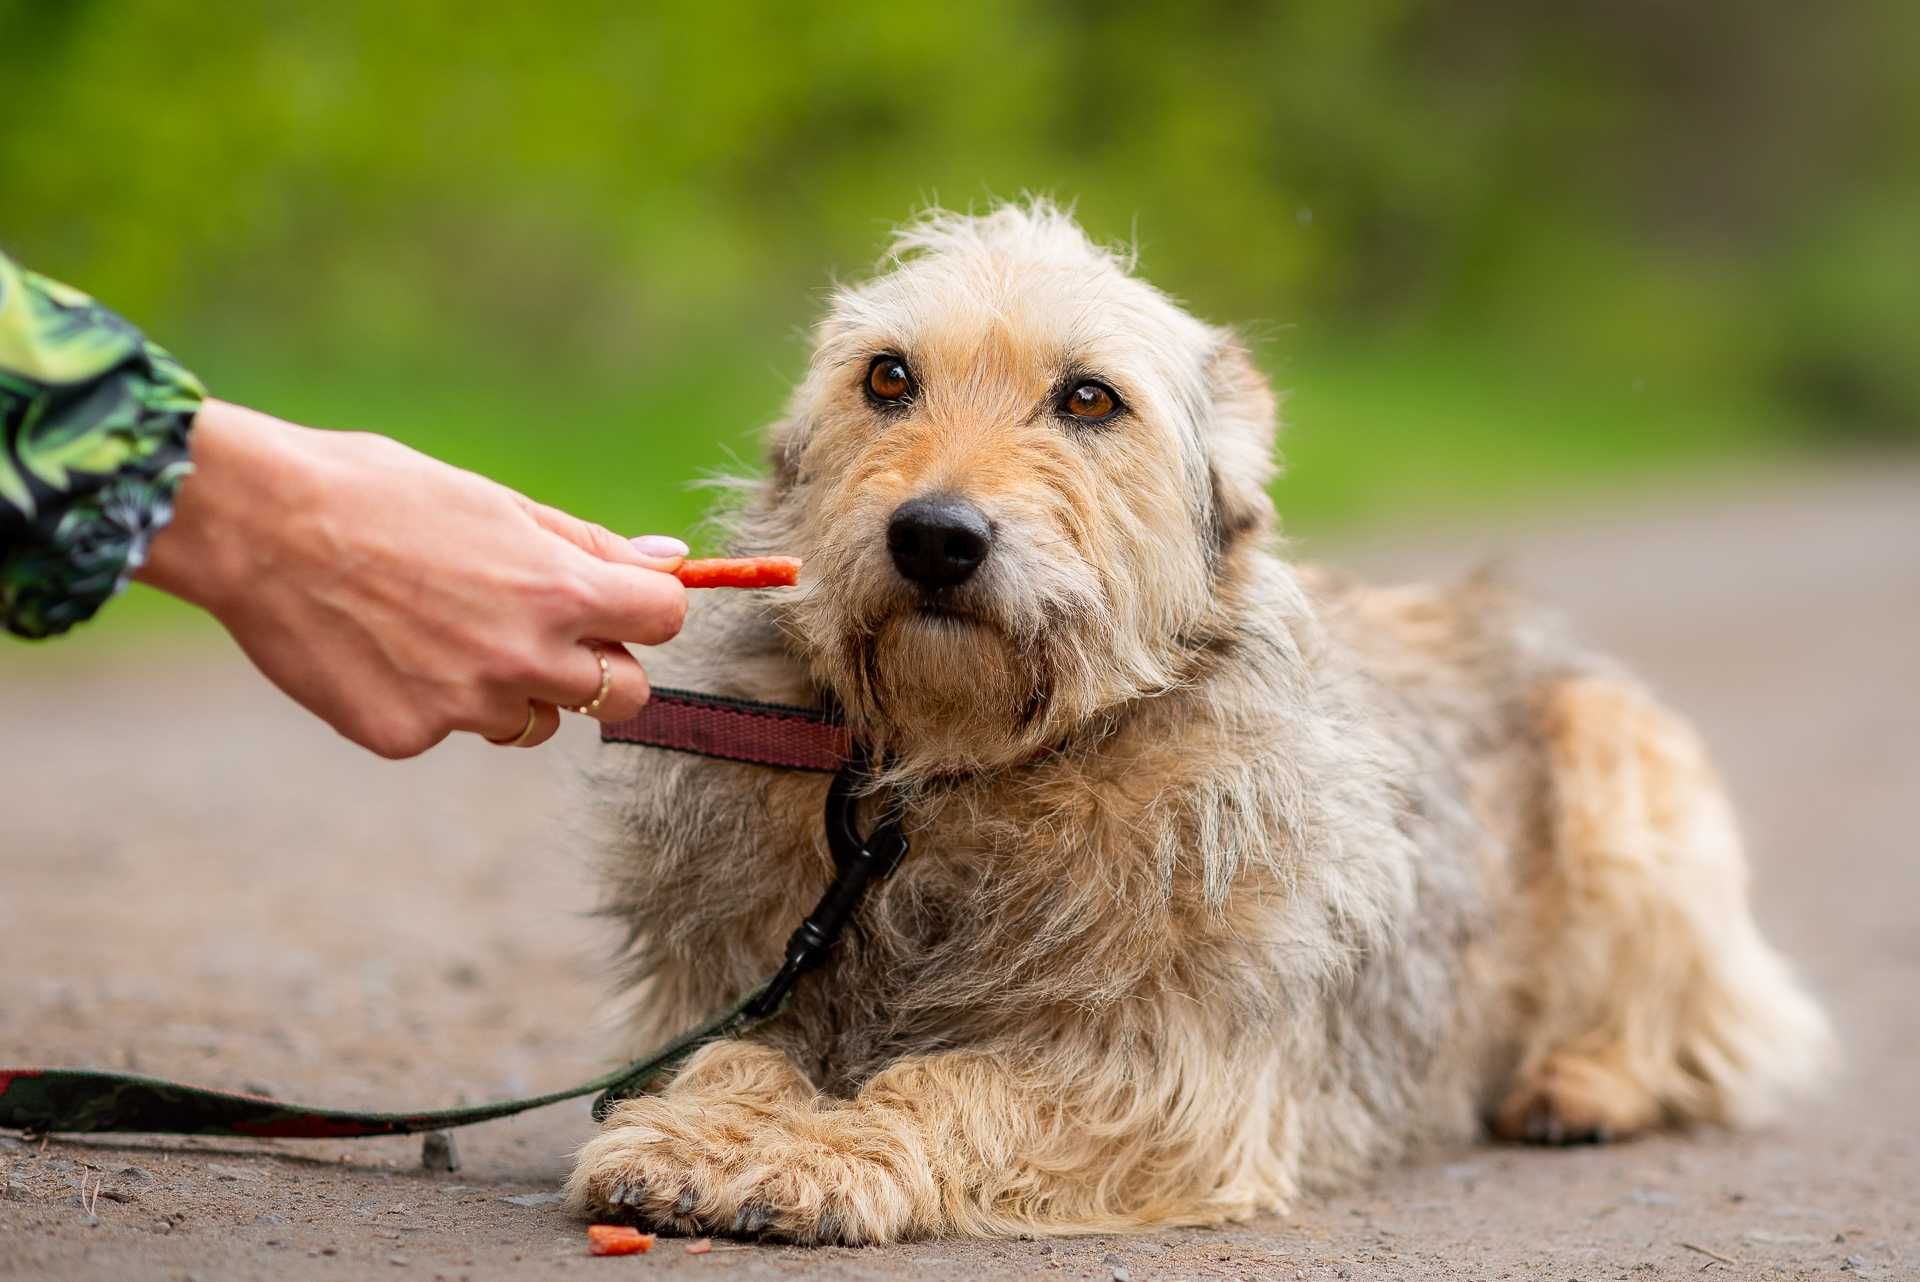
(80, 1101)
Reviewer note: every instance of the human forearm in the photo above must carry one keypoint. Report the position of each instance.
(254, 481)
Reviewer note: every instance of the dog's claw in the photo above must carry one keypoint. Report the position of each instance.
(752, 1218)
(684, 1206)
(631, 1194)
(1544, 1125)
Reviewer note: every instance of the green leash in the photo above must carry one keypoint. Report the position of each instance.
(77, 1101)
(66, 1101)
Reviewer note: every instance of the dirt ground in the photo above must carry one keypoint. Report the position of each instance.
(198, 881)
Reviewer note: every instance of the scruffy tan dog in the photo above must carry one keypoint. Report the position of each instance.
(1228, 879)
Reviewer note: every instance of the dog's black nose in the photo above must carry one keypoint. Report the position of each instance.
(938, 541)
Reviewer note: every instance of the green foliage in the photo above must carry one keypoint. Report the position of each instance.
(1492, 246)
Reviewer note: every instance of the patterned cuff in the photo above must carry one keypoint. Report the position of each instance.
(95, 421)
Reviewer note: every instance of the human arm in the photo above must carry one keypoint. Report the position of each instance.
(396, 597)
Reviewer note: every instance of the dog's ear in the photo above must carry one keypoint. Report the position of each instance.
(1240, 445)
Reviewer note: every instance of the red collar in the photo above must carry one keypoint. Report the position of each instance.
(767, 734)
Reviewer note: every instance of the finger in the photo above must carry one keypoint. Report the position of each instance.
(626, 683)
(650, 551)
(629, 604)
(627, 687)
(546, 721)
(534, 722)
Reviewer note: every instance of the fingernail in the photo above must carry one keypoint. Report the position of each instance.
(661, 545)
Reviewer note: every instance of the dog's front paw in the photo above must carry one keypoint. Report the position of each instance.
(814, 1175)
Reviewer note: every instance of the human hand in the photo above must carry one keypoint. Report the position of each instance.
(399, 598)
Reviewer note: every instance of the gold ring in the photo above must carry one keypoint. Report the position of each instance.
(526, 731)
(606, 684)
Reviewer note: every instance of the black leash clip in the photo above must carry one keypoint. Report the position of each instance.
(858, 863)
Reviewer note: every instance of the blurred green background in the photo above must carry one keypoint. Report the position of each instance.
(1494, 251)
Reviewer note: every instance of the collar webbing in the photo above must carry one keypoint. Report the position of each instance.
(767, 734)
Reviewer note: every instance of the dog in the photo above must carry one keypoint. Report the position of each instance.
(1229, 879)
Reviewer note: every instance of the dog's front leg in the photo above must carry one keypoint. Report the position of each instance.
(739, 1142)
(951, 1143)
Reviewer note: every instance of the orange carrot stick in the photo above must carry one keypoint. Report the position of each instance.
(741, 572)
(617, 1239)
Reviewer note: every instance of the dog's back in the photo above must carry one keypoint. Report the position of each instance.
(1632, 986)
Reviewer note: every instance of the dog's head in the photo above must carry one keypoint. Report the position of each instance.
(1017, 475)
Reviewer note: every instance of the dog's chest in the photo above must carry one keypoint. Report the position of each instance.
(938, 955)
(1053, 896)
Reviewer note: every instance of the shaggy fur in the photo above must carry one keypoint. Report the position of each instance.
(1229, 879)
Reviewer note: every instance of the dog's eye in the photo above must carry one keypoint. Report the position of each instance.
(1090, 402)
(889, 381)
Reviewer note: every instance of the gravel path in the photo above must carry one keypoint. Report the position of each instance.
(196, 880)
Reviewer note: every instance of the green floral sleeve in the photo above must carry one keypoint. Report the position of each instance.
(93, 443)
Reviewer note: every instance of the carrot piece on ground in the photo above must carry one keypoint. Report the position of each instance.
(617, 1239)
(700, 1247)
(740, 572)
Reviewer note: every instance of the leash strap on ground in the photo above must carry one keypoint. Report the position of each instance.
(67, 1101)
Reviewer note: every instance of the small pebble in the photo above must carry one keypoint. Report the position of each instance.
(437, 1152)
(220, 1171)
(463, 974)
